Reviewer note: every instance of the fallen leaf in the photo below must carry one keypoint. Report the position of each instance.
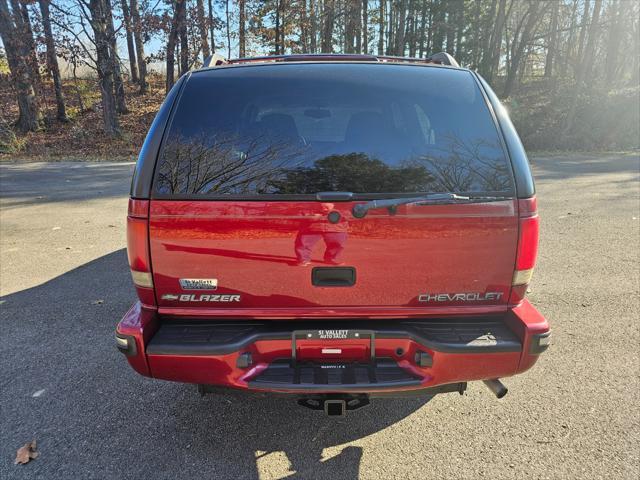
(26, 453)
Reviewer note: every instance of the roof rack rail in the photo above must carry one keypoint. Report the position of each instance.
(441, 58)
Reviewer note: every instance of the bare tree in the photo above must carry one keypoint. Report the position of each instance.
(212, 28)
(202, 28)
(21, 16)
(131, 49)
(104, 63)
(521, 39)
(52, 60)
(228, 25)
(137, 35)
(613, 42)
(17, 51)
(181, 12)
(118, 83)
(241, 29)
(328, 18)
(553, 39)
(171, 46)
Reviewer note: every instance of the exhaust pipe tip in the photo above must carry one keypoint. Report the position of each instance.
(497, 387)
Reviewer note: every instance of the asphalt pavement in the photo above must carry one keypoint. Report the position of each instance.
(64, 283)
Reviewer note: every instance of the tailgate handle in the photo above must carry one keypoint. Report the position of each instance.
(333, 276)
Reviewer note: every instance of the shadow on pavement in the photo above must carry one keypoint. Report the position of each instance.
(565, 167)
(97, 418)
(35, 183)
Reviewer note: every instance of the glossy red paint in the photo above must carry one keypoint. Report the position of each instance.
(255, 250)
(140, 324)
(221, 370)
(525, 321)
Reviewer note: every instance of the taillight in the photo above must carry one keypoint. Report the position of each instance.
(528, 233)
(138, 250)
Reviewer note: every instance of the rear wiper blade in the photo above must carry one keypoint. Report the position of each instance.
(361, 209)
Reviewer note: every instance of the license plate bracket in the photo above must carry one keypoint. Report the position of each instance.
(332, 336)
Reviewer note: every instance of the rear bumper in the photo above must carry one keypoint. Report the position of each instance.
(368, 356)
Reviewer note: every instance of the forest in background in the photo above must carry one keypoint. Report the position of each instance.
(567, 70)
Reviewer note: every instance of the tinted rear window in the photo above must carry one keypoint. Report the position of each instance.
(302, 129)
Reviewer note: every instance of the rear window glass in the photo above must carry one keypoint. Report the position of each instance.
(302, 129)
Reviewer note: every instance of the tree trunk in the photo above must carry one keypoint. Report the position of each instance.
(613, 43)
(400, 37)
(241, 29)
(171, 50)
(313, 27)
(569, 47)
(357, 21)
(99, 23)
(131, 49)
(519, 46)
(182, 33)
(381, 27)
(496, 43)
(137, 36)
(460, 23)
(121, 103)
(327, 26)
(202, 29)
(583, 36)
(590, 52)
(303, 20)
(21, 72)
(411, 29)
(212, 28)
(350, 25)
(52, 61)
(391, 27)
(423, 27)
(277, 28)
(584, 67)
(635, 52)
(553, 40)
(438, 26)
(365, 26)
(488, 39)
(228, 30)
(21, 15)
(475, 62)
(450, 27)
(282, 6)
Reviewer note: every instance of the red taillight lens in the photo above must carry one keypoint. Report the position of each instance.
(528, 234)
(138, 250)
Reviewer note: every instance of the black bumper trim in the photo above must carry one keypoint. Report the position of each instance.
(308, 377)
(203, 337)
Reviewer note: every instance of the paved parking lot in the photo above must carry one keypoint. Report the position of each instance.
(64, 284)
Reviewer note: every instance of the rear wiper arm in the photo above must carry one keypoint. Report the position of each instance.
(361, 209)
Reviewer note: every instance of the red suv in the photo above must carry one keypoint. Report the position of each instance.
(334, 228)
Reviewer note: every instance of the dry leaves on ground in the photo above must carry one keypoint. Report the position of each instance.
(26, 453)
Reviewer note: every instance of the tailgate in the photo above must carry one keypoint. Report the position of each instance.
(263, 257)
